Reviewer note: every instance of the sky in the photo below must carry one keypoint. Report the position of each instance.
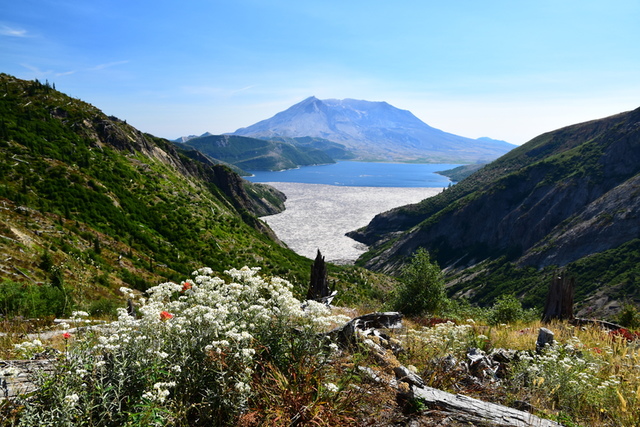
(504, 69)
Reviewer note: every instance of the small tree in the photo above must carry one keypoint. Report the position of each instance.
(506, 309)
(422, 290)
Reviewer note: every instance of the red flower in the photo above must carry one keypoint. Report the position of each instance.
(66, 335)
(165, 315)
(624, 333)
(186, 286)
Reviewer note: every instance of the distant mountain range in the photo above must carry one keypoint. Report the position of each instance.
(568, 199)
(375, 131)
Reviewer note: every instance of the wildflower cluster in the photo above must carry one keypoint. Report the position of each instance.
(572, 376)
(192, 347)
(28, 348)
(445, 338)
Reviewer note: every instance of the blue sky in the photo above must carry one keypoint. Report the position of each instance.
(507, 69)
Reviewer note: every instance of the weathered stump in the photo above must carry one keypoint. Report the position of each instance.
(559, 304)
(318, 286)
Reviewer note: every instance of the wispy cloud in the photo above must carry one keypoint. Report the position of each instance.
(35, 70)
(107, 65)
(5, 30)
(44, 73)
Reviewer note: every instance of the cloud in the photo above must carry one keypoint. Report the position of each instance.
(12, 32)
(42, 73)
(107, 65)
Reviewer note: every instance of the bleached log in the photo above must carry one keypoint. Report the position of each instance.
(474, 410)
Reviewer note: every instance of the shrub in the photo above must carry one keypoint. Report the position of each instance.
(422, 289)
(506, 309)
(28, 300)
(103, 307)
(629, 316)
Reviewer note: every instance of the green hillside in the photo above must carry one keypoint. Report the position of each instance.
(257, 154)
(89, 204)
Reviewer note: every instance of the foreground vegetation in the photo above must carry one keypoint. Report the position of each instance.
(242, 350)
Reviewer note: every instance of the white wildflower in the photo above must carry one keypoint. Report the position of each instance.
(71, 399)
(331, 387)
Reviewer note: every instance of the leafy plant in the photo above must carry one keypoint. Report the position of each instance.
(422, 288)
(33, 301)
(507, 309)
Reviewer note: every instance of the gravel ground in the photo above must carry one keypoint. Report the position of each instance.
(318, 216)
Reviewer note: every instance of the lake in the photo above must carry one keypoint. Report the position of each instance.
(361, 174)
(325, 202)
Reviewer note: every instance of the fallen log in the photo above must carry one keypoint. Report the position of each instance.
(475, 411)
(578, 321)
(16, 376)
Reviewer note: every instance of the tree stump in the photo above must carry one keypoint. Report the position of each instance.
(318, 287)
(559, 304)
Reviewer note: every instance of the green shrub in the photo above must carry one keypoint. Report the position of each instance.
(28, 300)
(508, 309)
(629, 317)
(422, 289)
(103, 307)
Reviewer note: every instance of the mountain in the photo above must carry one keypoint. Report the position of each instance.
(190, 137)
(374, 131)
(88, 204)
(567, 199)
(258, 154)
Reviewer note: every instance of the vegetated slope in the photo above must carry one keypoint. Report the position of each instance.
(461, 172)
(100, 204)
(375, 131)
(257, 154)
(568, 198)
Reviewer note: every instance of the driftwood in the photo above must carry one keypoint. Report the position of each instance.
(594, 322)
(16, 376)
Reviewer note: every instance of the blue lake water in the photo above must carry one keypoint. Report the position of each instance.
(361, 174)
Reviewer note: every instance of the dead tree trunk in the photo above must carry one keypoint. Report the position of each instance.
(559, 303)
(319, 287)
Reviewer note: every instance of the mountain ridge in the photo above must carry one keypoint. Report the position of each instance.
(374, 131)
(249, 154)
(564, 197)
